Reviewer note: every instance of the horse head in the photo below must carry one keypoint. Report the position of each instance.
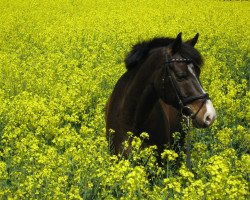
(179, 83)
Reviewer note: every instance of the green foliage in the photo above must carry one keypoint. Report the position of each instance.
(59, 61)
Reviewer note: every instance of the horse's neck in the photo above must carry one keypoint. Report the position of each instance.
(144, 106)
(140, 99)
(140, 95)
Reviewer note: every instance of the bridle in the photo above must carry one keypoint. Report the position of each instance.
(182, 101)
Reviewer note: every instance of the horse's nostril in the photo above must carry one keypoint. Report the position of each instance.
(208, 120)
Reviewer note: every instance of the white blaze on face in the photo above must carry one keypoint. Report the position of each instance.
(191, 69)
(210, 113)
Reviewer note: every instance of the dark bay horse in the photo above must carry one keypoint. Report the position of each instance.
(161, 85)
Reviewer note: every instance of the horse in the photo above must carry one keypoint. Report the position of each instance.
(160, 86)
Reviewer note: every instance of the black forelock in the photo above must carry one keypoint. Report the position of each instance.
(140, 51)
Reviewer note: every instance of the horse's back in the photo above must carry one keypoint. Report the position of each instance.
(115, 105)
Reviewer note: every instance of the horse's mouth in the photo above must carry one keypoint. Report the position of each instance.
(196, 124)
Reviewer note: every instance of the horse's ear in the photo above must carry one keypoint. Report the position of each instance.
(193, 41)
(177, 44)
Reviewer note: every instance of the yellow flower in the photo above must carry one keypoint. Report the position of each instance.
(169, 155)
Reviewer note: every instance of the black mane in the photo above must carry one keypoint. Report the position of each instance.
(140, 51)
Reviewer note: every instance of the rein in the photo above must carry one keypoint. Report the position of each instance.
(182, 101)
(188, 153)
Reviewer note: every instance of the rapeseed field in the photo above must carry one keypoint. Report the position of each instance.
(59, 61)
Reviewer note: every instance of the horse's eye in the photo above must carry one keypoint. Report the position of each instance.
(181, 76)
